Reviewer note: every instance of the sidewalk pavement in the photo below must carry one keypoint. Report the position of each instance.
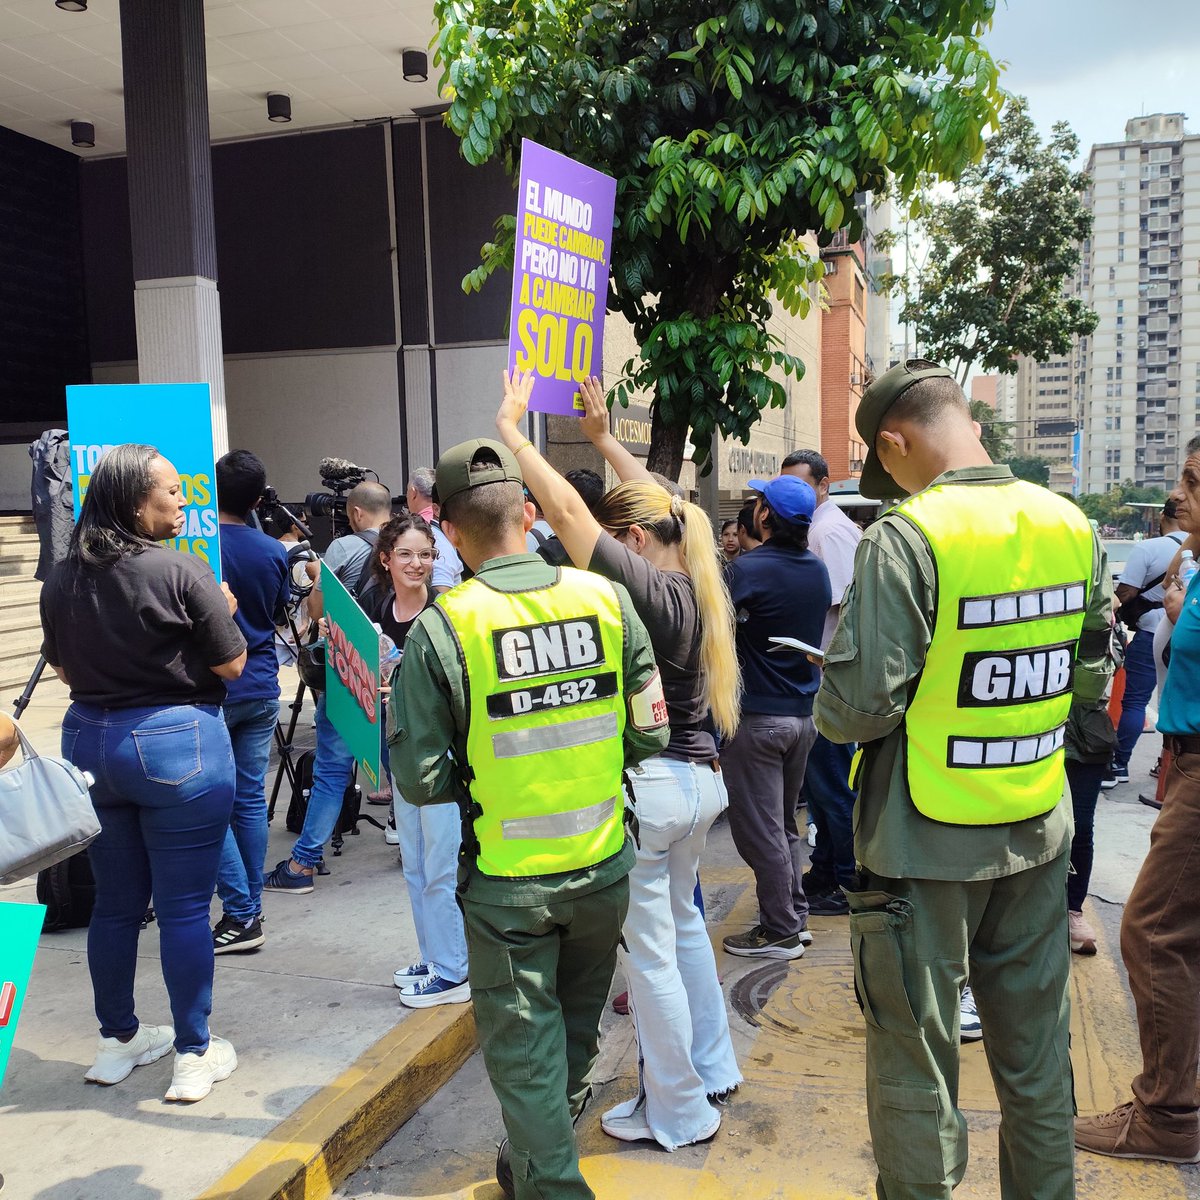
(797, 1128)
(331, 1066)
(329, 1062)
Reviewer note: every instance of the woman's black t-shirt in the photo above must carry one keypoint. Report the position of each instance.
(141, 633)
(383, 613)
(666, 602)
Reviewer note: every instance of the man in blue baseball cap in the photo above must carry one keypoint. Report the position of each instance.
(779, 589)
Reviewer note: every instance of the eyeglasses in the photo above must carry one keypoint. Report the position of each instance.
(408, 556)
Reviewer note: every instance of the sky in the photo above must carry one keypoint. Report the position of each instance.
(1096, 63)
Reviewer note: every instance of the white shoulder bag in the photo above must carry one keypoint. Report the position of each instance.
(46, 814)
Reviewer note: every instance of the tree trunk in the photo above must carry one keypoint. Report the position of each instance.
(666, 446)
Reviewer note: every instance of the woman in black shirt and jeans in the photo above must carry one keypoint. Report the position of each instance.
(429, 837)
(662, 549)
(144, 637)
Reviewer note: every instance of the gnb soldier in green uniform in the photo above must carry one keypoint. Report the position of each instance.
(523, 694)
(979, 605)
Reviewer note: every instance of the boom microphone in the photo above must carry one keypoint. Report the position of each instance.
(339, 468)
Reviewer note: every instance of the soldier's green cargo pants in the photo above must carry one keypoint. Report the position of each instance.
(539, 979)
(915, 941)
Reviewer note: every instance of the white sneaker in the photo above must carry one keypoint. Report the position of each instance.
(196, 1073)
(391, 835)
(627, 1123)
(115, 1060)
(970, 1028)
(812, 835)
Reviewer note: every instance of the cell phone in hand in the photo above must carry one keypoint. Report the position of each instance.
(790, 643)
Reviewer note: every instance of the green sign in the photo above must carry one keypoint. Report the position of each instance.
(352, 699)
(20, 928)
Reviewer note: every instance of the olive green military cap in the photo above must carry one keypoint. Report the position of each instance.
(876, 483)
(454, 475)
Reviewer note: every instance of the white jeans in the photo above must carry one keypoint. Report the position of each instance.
(675, 999)
(429, 840)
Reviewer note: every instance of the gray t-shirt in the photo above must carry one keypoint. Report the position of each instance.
(346, 556)
(666, 602)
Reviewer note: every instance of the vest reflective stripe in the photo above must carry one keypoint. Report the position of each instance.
(556, 825)
(984, 728)
(545, 721)
(555, 737)
(1003, 752)
(975, 611)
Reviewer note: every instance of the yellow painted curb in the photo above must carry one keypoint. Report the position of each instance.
(332, 1134)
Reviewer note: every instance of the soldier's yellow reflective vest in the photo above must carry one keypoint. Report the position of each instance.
(546, 712)
(984, 729)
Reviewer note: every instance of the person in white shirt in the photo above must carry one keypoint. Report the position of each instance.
(833, 538)
(1141, 585)
(447, 567)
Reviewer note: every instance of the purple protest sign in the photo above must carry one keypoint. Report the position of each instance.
(560, 275)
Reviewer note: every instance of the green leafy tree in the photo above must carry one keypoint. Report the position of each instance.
(1111, 508)
(1000, 252)
(731, 129)
(1031, 467)
(994, 433)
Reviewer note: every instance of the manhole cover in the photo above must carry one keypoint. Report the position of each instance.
(751, 993)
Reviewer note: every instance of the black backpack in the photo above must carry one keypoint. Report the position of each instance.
(298, 804)
(68, 891)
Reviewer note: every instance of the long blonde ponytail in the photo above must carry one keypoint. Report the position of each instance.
(674, 520)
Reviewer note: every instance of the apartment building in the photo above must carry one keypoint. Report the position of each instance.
(1137, 377)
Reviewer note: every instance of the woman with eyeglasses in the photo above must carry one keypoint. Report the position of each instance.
(429, 837)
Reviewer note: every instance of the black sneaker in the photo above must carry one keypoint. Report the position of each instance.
(832, 903)
(232, 937)
(815, 881)
(1115, 776)
(758, 943)
(504, 1175)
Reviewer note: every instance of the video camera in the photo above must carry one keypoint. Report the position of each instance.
(339, 476)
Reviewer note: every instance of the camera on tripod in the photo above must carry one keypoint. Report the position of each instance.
(339, 476)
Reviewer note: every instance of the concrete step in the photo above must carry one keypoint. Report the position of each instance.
(17, 619)
(20, 644)
(18, 566)
(16, 591)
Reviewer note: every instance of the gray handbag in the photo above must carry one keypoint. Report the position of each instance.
(46, 814)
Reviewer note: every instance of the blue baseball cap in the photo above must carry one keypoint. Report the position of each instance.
(790, 499)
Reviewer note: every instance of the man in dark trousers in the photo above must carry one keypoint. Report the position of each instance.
(781, 589)
(523, 694)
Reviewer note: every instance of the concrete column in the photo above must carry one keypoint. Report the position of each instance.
(176, 303)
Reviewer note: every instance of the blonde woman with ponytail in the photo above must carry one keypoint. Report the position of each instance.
(661, 548)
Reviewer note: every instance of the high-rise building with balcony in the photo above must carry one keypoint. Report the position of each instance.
(1138, 375)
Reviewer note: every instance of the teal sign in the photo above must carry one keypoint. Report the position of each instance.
(20, 928)
(176, 418)
(352, 700)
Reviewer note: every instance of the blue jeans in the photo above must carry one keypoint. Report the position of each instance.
(1140, 678)
(164, 793)
(830, 801)
(1084, 779)
(429, 840)
(251, 725)
(685, 1051)
(332, 769)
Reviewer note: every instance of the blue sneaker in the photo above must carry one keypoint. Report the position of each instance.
(433, 989)
(409, 975)
(283, 880)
